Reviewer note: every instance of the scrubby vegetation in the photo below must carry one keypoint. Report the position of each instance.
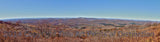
(79, 30)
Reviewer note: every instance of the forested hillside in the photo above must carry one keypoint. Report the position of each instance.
(79, 30)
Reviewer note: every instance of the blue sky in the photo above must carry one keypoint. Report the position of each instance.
(127, 9)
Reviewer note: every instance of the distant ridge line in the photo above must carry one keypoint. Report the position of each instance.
(78, 17)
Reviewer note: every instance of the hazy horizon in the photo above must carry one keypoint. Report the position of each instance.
(78, 17)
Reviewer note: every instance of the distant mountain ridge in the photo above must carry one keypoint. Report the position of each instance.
(16, 19)
(80, 20)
